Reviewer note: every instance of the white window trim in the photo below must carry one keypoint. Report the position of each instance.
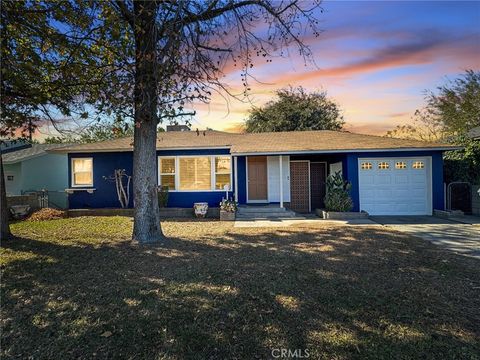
(159, 180)
(72, 177)
(212, 171)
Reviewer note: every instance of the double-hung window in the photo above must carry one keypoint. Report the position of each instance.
(222, 172)
(82, 172)
(167, 172)
(195, 173)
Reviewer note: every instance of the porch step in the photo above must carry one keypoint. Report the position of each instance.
(260, 209)
(263, 212)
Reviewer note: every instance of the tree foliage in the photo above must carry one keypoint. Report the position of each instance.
(449, 114)
(426, 127)
(295, 109)
(141, 60)
(97, 132)
(457, 104)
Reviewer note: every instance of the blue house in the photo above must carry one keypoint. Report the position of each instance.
(33, 168)
(388, 176)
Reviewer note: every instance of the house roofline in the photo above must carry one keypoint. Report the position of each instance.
(226, 147)
(343, 151)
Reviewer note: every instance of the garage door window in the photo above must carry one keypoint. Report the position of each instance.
(366, 166)
(383, 165)
(400, 165)
(418, 165)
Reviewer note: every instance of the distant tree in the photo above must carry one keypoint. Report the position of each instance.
(98, 132)
(59, 139)
(295, 109)
(457, 104)
(450, 112)
(426, 126)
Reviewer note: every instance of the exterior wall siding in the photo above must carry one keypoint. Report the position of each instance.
(105, 195)
(351, 173)
(54, 176)
(13, 187)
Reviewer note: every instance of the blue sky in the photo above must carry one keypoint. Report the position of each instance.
(374, 58)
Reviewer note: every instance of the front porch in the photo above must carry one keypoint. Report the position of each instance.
(286, 181)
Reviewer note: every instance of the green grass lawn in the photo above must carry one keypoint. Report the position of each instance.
(78, 288)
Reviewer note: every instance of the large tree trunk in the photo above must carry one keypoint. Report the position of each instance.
(4, 225)
(146, 227)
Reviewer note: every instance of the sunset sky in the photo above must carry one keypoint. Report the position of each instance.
(374, 58)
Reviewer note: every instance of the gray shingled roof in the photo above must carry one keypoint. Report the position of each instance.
(31, 152)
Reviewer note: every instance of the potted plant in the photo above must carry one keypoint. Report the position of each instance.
(338, 203)
(228, 209)
(200, 209)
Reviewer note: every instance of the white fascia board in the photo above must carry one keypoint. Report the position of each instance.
(344, 151)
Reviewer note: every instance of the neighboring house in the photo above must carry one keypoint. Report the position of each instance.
(474, 133)
(35, 169)
(388, 176)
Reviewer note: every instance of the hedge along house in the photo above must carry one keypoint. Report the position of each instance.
(388, 176)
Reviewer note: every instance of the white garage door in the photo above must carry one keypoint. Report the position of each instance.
(395, 186)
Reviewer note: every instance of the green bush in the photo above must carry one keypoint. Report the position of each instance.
(338, 194)
(162, 196)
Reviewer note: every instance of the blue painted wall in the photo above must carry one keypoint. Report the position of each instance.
(105, 195)
(242, 179)
(105, 163)
(351, 173)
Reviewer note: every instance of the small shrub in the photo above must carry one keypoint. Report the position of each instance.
(47, 214)
(162, 196)
(338, 196)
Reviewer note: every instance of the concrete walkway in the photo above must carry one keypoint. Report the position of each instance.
(462, 238)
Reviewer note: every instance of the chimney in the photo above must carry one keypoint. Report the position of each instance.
(178, 127)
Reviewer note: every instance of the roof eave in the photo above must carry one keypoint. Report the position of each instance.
(77, 151)
(343, 151)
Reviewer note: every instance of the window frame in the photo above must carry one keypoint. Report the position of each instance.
(414, 162)
(368, 164)
(159, 167)
(404, 163)
(212, 171)
(72, 172)
(381, 163)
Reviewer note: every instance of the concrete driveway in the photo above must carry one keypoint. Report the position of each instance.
(462, 238)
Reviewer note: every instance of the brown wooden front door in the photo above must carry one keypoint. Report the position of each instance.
(257, 178)
(299, 186)
(317, 184)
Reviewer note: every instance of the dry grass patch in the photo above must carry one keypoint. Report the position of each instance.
(78, 288)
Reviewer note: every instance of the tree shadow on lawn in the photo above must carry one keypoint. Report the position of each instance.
(339, 292)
